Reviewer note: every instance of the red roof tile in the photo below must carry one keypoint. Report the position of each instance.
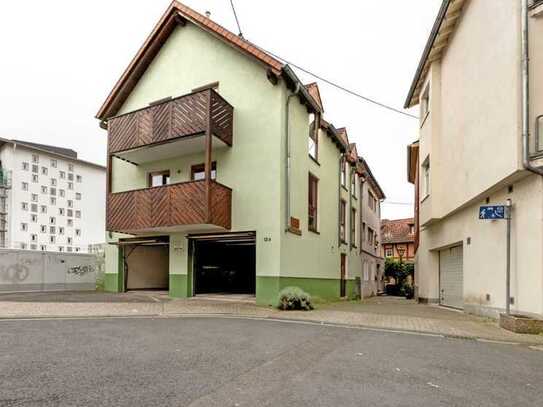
(397, 230)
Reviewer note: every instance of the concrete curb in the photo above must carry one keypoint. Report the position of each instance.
(531, 345)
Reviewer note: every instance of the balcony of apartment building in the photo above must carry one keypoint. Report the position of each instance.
(197, 124)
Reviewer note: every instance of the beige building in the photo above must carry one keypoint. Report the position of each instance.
(480, 94)
(373, 263)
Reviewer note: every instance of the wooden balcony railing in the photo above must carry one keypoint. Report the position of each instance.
(183, 116)
(178, 204)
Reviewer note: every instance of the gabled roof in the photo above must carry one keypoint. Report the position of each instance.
(366, 172)
(352, 155)
(61, 152)
(342, 135)
(444, 27)
(179, 14)
(397, 231)
(68, 152)
(313, 90)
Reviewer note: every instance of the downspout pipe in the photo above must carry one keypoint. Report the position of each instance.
(288, 158)
(526, 91)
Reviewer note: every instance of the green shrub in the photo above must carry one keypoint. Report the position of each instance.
(294, 298)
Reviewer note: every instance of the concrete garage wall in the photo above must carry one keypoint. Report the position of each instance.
(26, 270)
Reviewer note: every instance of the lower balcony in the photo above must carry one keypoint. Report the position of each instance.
(184, 206)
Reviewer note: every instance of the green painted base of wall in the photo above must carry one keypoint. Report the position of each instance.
(178, 286)
(321, 289)
(112, 283)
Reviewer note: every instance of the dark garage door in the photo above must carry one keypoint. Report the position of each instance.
(224, 263)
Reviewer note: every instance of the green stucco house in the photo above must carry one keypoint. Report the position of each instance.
(223, 175)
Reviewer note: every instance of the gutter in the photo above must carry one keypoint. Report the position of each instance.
(427, 49)
(287, 157)
(525, 17)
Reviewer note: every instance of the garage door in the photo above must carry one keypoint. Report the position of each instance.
(451, 277)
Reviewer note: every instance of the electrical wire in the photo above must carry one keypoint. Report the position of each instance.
(321, 78)
(236, 17)
(397, 203)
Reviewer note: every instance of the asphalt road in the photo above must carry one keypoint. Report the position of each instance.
(236, 362)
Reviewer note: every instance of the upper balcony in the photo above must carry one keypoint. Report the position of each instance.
(170, 128)
(175, 207)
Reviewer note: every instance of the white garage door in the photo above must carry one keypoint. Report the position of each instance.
(451, 277)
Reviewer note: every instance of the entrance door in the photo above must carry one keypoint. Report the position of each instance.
(343, 282)
(451, 277)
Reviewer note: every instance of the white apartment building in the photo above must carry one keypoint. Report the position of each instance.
(49, 199)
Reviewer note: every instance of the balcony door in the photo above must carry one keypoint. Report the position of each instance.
(197, 172)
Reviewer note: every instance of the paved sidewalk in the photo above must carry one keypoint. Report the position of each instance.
(378, 312)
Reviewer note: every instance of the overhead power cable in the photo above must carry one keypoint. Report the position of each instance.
(344, 89)
(236, 17)
(397, 203)
(321, 78)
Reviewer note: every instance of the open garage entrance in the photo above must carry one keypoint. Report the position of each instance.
(146, 263)
(224, 263)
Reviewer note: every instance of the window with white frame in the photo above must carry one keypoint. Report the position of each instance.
(52, 220)
(70, 167)
(61, 211)
(23, 246)
(24, 186)
(44, 189)
(52, 239)
(78, 178)
(43, 228)
(53, 182)
(78, 232)
(426, 177)
(62, 175)
(43, 209)
(33, 237)
(78, 214)
(68, 248)
(35, 168)
(60, 249)
(35, 178)
(70, 203)
(69, 240)
(70, 185)
(52, 230)
(34, 218)
(70, 222)
(60, 230)
(53, 191)
(24, 206)
(33, 247)
(70, 176)
(62, 193)
(24, 227)
(44, 170)
(53, 200)
(25, 166)
(35, 158)
(43, 247)
(34, 197)
(78, 196)
(53, 163)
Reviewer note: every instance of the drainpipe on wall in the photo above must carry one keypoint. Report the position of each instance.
(341, 163)
(287, 163)
(526, 91)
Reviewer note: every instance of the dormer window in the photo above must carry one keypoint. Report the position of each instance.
(313, 139)
(425, 102)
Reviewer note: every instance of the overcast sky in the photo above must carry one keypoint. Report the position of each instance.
(60, 58)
